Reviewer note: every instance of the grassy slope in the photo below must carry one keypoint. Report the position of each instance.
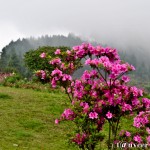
(27, 120)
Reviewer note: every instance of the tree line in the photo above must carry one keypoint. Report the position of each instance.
(12, 55)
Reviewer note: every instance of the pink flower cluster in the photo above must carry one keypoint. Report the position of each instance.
(41, 74)
(101, 94)
(57, 75)
(5, 75)
(146, 103)
(124, 133)
(142, 119)
(87, 49)
(148, 140)
(57, 52)
(79, 138)
(55, 61)
(93, 115)
(85, 107)
(109, 115)
(137, 138)
(68, 114)
(43, 55)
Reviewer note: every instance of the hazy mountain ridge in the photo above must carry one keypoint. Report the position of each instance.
(12, 54)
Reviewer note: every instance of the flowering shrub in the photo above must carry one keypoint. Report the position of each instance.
(3, 76)
(32, 61)
(100, 96)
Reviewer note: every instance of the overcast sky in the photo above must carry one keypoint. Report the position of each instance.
(107, 21)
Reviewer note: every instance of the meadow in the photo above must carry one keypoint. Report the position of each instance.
(27, 120)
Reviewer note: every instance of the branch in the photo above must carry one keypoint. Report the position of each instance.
(68, 94)
(119, 77)
(102, 76)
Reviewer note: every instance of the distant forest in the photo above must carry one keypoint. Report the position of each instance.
(12, 55)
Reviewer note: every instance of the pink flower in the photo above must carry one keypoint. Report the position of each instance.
(66, 77)
(93, 115)
(128, 134)
(125, 79)
(75, 48)
(69, 90)
(86, 75)
(137, 138)
(73, 102)
(104, 61)
(140, 92)
(126, 107)
(141, 120)
(135, 102)
(109, 115)
(148, 140)
(57, 72)
(148, 130)
(62, 66)
(121, 132)
(53, 83)
(88, 61)
(57, 52)
(68, 52)
(43, 55)
(85, 107)
(43, 74)
(134, 90)
(79, 138)
(56, 121)
(68, 114)
(146, 102)
(132, 67)
(55, 61)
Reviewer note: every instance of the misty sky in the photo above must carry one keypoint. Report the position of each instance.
(119, 22)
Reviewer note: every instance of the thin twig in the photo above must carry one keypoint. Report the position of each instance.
(102, 76)
(68, 94)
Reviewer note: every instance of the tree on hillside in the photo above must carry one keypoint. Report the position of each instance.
(24, 45)
(33, 62)
(4, 58)
(14, 61)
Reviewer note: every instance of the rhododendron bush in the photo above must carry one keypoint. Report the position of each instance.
(101, 96)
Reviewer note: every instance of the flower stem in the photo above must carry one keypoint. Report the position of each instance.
(109, 138)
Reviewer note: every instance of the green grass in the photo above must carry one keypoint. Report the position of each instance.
(27, 120)
(4, 96)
